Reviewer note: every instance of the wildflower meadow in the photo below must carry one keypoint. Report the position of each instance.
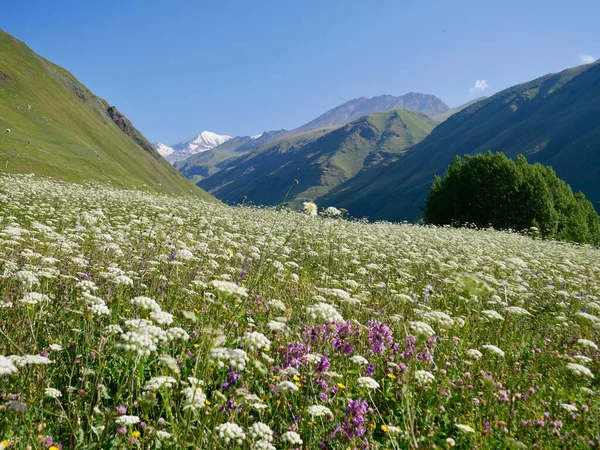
(135, 321)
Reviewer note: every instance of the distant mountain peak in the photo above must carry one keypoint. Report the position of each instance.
(362, 106)
(205, 141)
(162, 149)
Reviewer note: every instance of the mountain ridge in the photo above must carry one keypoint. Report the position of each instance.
(551, 119)
(59, 128)
(205, 141)
(319, 159)
(359, 107)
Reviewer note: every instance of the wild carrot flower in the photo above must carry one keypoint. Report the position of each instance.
(231, 432)
(368, 383)
(310, 208)
(292, 438)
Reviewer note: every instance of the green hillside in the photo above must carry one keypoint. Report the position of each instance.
(553, 120)
(320, 160)
(59, 128)
(446, 114)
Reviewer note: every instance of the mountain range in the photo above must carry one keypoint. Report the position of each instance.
(320, 159)
(59, 128)
(203, 165)
(183, 150)
(375, 157)
(553, 119)
(363, 106)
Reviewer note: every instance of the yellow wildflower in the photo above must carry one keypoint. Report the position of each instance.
(135, 434)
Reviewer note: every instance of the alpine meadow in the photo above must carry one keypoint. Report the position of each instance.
(300, 225)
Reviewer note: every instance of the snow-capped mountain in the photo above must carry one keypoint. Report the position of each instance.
(163, 149)
(183, 150)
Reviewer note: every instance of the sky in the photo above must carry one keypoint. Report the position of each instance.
(176, 68)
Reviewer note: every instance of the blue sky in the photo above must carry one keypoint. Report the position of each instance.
(176, 68)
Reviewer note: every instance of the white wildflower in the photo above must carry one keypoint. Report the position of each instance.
(6, 366)
(517, 311)
(324, 313)
(310, 208)
(368, 383)
(146, 303)
(357, 359)
(493, 349)
(127, 420)
(474, 353)
(421, 328)
(260, 432)
(230, 431)
(256, 341)
(568, 407)
(424, 378)
(223, 356)
(492, 315)
(286, 386)
(161, 317)
(229, 288)
(291, 437)
(319, 411)
(53, 393)
(465, 428)
(580, 370)
(154, 384)
(194, 398)
(587, 343)
(33, 298)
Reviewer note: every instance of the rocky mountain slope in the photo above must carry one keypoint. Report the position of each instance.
(359, 107)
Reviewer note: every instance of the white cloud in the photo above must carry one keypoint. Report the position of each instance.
(479, 86)
(586, 58)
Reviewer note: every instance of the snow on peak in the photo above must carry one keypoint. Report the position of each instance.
(163, 150)
(201, 143)
(256, 136)
(205, 141)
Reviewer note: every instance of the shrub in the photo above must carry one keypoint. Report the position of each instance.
(492, 190)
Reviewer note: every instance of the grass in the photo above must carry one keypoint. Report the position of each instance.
(61, 129)
(154, 321)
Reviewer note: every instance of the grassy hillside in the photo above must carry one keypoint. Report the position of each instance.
(59, 128)
(552, 120)
(320, 160)
(202, 165)
(450, 112)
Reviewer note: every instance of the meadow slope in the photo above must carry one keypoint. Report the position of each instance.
(133, 320)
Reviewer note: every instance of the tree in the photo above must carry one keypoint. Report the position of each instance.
(492, 190)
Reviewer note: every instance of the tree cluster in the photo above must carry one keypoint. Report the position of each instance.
(493, 190)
